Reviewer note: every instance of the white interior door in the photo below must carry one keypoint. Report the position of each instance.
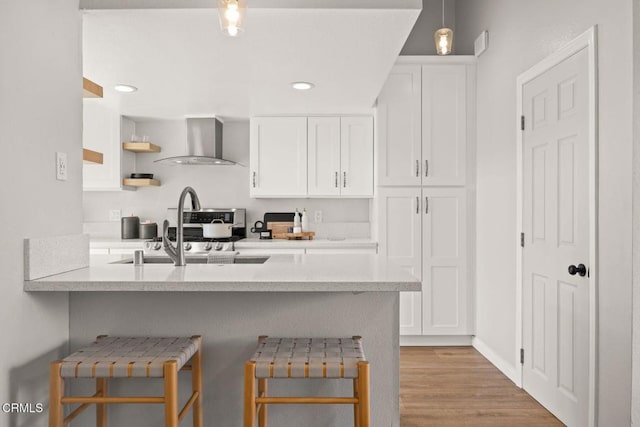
(356, 159)
(324, 156)
(400, 240)
(556, 225)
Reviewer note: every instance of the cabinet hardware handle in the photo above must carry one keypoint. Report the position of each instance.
(417, 204)
(426, 167)
(426, 205)
(336, 179)
(344, 179)
(417, 168)
(254, 180)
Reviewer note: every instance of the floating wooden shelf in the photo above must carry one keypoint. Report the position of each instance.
(91, 89)
(140, 182)
(141, 147)
(93, 157)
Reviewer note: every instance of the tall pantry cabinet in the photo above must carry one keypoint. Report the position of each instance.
(426, 191)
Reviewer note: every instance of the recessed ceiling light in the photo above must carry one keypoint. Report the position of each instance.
(125, 88)
(302, 85)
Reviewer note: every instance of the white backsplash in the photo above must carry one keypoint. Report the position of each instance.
(217, 187)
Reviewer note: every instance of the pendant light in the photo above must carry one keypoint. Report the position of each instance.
(231, 13)
(443, 38)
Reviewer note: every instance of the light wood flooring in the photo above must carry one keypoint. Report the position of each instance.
(457, 386)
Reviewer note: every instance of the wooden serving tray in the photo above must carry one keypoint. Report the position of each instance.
(295, 236)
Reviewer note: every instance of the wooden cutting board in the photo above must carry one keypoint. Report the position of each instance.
(279, 228)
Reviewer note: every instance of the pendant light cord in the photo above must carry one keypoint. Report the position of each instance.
(442, 13)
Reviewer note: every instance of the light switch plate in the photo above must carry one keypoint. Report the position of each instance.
(61, 166)
(115, 215)
(481, 43)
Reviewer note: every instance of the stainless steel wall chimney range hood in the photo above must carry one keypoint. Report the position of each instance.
(204, 144)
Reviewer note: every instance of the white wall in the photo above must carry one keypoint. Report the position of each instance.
(521, 34)
(635, 403)
(217, 186)
(40, 113)
(420, 40)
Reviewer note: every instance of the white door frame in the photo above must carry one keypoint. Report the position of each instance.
(588, 41)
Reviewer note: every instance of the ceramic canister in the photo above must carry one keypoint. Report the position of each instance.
(129, 227)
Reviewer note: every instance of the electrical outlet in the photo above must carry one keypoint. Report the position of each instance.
(317, 216)
(115, 215)
(61, 166)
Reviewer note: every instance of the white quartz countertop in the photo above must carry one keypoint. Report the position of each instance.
(280, 273)
(252, 243)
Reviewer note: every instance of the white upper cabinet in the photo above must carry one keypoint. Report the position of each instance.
(444, 124)
(324, 156)
(278, 157)
(102, 131)
(311, 157)
(399, 127)
(356, 156)
(423, 130)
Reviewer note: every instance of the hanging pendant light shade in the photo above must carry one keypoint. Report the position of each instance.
(231, 13)
(443, 38)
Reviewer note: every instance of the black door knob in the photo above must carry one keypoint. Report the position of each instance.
(581, 270)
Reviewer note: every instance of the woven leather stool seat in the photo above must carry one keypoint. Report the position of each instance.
(314, 358)
(308, 358)
(121, 357)
(128, 357)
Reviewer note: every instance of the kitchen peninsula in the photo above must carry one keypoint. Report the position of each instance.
(230, 305)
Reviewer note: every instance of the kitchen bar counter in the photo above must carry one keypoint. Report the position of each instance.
(280, 273)
(230, 305)
(250, 243)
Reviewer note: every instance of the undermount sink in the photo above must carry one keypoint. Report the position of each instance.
(238, 259)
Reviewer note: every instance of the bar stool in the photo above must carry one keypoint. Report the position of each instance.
(128, 357)
(306, 358)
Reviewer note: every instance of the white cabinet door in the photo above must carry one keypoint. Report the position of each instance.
(324, 156)
(399, 128)
(342, 251)
(278, 157)
(356, 160)
(400, 240)
(444, 124)
(444, 277)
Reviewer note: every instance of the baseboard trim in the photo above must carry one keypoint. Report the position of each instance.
(434, 340)
(504, 366)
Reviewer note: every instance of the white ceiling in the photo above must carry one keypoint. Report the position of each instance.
(184, 66)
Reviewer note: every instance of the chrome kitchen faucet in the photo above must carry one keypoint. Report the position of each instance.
(177, 253)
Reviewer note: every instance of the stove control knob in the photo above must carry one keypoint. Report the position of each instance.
(156, 246)
(208, 246)
(218, 246)
(187, 246)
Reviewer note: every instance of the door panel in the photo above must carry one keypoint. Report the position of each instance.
(278, 156)
(444, 288)
(444, 124)
(324, 156)
(400, 241)
(400, 128)
(555, 217)
(356, 160)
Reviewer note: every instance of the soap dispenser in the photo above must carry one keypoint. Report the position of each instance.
(297, 225)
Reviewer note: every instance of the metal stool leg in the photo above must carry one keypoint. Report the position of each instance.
(101, 408)
(56, 392)
(171, 394)
(249, 394)
(363, 392)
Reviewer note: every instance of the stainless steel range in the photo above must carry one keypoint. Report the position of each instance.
(194, 241)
